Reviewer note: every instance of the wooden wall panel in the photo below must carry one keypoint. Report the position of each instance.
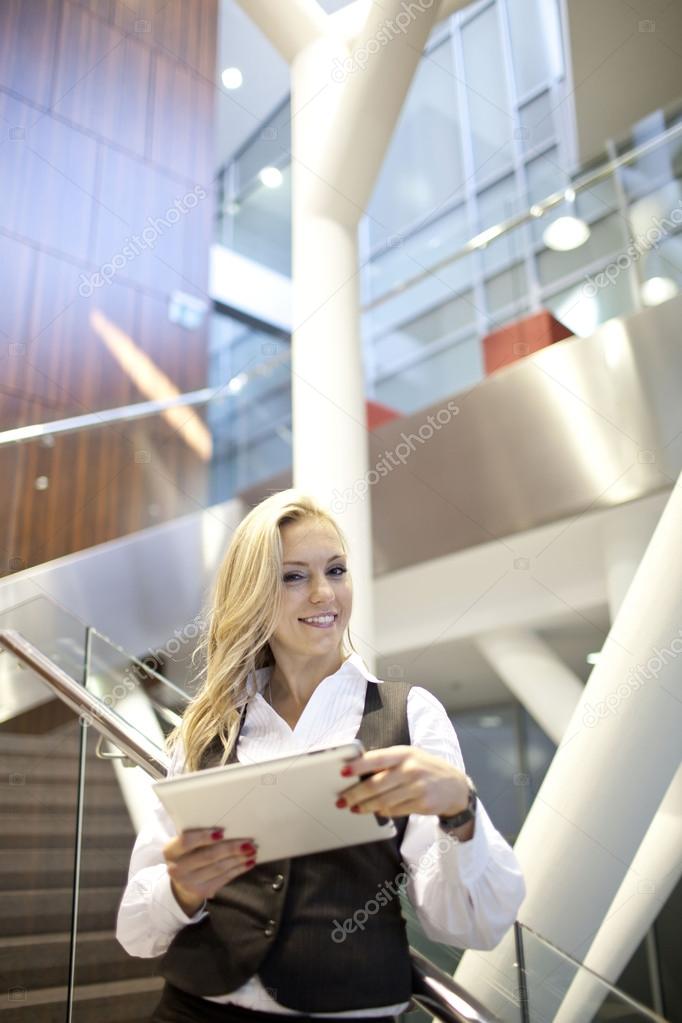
(107, 119)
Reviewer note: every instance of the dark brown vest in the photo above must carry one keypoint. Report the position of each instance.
(324, 932)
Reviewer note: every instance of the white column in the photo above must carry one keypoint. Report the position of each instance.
(346, 97)
(611, 772)
(539, 680)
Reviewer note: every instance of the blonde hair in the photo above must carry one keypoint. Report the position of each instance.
(242, 615)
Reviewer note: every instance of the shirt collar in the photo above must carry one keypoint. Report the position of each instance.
(353, 665)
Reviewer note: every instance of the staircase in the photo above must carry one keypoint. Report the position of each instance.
(38, 805)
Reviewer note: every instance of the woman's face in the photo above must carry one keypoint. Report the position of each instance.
(315, 580)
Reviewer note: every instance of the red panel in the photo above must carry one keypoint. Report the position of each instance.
(378, 414)
(516, 340)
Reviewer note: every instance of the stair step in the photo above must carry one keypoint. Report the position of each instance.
(57, 798)
(103, 831)
(37, 910)
(48, 771)
(99, 958)
(48, 867)
(117, 1001)
(61, 742)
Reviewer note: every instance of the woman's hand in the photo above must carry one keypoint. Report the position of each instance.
(406, 780)
(200, 862)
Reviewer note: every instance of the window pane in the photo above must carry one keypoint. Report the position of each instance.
(423, 166)
(424, 330)
(507, 287)
(496, 204)
(582, 311)
(606, 237)
(261, 226)
(536, 46)
(447, 373)
(486, 89)
(537, 122)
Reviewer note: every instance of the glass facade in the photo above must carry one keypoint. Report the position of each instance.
(478, 141)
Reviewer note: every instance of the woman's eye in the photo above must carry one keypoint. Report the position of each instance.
(338, 571)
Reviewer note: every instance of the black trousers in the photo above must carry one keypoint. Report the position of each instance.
(177, 1006)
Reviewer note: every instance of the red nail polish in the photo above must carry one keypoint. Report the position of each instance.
(355, 809)
(218, 833)
(250, 863)
(346, 771)
(247, 847)
(341, 803)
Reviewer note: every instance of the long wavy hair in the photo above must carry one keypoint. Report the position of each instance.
(241, 617)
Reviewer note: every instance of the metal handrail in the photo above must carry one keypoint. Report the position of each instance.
(140, 409)
(134, 744)
(433, 988)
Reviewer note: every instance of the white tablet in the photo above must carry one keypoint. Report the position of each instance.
(286, 805)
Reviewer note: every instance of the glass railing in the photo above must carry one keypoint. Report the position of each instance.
(69, 820)
(554, 986)
(91, 478)
(66, 833)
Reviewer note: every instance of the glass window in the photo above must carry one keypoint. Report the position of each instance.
(606, 237)
(582, 311)
(535, 43)
(537, 122)
(446, 373)
(486, 91)
(496, 204)
(261, 225)
(427, 329)
(510, 286)
(422, 169)
(269, 147)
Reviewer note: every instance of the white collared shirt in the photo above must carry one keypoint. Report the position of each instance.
(465, 894)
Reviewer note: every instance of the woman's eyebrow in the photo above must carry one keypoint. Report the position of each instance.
(305, 563)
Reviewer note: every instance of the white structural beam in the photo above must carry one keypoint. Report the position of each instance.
(350, 20)
(373, 81)
(344, 106)
(653, 875)
(290, 26)
(610, 774)
(539, 680)
(657, 865)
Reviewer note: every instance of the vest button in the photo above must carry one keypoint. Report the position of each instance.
(270, 929)
(278, 882)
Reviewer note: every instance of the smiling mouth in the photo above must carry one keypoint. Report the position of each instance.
(320, 621)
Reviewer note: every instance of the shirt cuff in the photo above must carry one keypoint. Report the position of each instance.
(167, 908)
(466, 860)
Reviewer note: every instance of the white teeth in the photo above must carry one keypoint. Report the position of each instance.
(323, 620)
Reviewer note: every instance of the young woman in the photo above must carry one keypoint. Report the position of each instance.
(319, 936)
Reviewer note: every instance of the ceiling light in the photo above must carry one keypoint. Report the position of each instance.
(232, 78)
(658, 289)
(271, 177)
(566, 233)
(593, 658)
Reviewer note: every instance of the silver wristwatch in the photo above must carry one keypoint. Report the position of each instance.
(464, 816)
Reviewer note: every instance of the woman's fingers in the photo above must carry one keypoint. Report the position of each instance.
(194, 875)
